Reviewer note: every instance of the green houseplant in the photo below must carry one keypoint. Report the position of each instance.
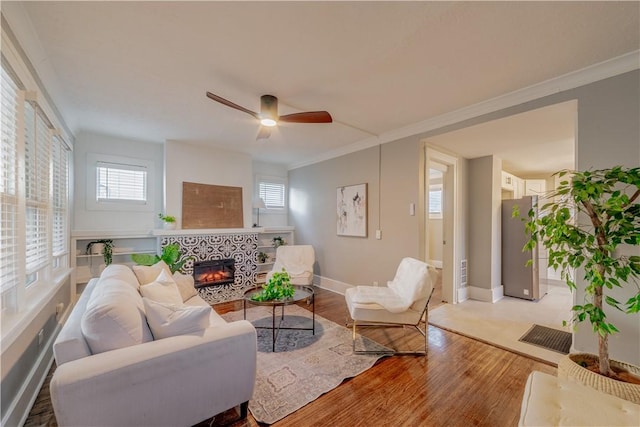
(169, 221)
(589, 216)
(171, 254)
(106, 250)
(278, 287)
(278, 241)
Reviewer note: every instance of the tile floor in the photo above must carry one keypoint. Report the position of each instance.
(505, 321)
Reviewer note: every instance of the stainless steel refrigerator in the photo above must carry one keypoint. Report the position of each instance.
(519, 279)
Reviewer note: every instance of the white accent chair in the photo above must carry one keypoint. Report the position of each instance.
(403, 302)
(297, 260)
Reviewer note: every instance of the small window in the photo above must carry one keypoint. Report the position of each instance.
(116, 183)
(121, 183)
(435, 202)
(273, 192)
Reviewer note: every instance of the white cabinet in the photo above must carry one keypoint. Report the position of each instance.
(267, 247)
(87, 265)
(535, 187)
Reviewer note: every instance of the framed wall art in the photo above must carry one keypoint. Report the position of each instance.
(351, 210)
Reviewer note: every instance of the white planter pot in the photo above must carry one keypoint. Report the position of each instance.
(569, 369)
(169, 225)
(97, 248)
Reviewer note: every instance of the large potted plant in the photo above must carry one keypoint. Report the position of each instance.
(584, 223)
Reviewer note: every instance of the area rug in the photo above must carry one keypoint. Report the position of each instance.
(304, 366)
(549, 338)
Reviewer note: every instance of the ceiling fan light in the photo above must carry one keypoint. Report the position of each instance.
(268, 121)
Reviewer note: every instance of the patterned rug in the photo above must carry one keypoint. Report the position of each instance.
(304, 366)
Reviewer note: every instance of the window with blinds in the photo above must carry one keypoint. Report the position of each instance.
(272, 191)
(59, 192)
(34, 176)
(38, 172)
(8, 185)
(121, 183)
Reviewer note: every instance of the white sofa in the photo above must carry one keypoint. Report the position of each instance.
(175, 381)
(553, 401)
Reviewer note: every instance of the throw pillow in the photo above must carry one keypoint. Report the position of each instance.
(168, 320)
(147, 274)
(114, 317)
(163, 289)
(185, 285)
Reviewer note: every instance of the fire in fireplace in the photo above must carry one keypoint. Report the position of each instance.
(214, 272)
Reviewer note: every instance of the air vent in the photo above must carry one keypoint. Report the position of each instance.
(463, 272)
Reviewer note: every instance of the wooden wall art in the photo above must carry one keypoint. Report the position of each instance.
(211, 206)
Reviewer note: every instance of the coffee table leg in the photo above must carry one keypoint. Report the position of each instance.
(244, 308)
(313, 311)
(273, 329)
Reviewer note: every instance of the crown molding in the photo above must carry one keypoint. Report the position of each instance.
(610, 68)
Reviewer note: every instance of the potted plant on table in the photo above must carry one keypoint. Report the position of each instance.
(277, 288)
(169, 221)
(608, 198)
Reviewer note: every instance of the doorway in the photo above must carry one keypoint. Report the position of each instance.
(440, 214)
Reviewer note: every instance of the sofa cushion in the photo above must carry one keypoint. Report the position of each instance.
(186, 285)
(163, 289)
(114, 317)
(121, 272)
(168, 320)
(147, 274)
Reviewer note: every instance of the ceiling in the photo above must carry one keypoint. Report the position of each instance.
(140, 70)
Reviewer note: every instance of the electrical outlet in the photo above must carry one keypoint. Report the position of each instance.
(375, 283)
(59, 310)
(526, 291)
(379, 234)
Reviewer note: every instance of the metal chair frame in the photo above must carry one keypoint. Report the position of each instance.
(425, 333)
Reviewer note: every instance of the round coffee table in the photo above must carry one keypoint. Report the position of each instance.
(300, 294)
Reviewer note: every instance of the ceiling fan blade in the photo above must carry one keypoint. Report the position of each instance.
(307, 117)
(263, 133)
(228, 103)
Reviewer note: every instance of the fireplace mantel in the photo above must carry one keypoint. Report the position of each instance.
(209, 231)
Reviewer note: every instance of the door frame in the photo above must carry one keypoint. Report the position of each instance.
(451, 219)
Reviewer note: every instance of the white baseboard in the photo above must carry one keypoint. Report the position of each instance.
(331, 284)
(436, 263)
(487, 295)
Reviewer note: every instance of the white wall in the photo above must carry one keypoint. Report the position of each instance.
(121, 221)
(206, 165)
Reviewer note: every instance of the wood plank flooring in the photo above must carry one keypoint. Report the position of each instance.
(462, 382)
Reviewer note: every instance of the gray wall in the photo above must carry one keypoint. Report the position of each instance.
(484, 222)
(357, 260)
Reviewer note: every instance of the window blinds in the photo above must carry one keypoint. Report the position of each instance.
(8, 185)
(272, 193)
(59, 190)
(119, 182)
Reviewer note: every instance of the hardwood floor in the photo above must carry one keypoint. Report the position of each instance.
(461, 382)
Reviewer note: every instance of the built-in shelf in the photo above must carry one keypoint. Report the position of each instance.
(115, 254)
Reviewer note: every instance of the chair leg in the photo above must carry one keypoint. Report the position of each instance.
(244, 409)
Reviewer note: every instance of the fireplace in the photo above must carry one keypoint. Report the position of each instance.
(214, 272)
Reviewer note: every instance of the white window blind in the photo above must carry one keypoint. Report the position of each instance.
(38, 172)
(435, 201)
(121, 183)
(59, 180)
(8, 185)
(273, 193)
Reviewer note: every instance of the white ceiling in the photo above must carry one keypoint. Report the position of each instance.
(140, 70)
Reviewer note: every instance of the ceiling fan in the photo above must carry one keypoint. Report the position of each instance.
(268, 115)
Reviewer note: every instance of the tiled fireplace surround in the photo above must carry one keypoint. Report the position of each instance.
(202, 245)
